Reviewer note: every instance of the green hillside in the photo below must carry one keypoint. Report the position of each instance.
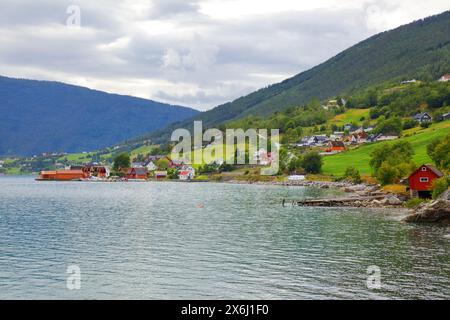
(418, 50)
(359, 158)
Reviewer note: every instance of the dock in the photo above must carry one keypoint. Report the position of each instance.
(336, 202)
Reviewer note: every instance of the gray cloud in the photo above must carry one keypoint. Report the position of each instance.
(173, 51)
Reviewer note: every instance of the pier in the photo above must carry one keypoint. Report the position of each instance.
(337, 202)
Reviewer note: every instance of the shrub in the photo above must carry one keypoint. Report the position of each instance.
(389, 126)
(413, 203)
(409, 123)
(397, 154)
(312, 162)
(122, 161)
(425, 124)
(352, 174)
(440, 186)
(172, 173)
(387, 174)
(295, 165)
(396, 189)
(439, 151)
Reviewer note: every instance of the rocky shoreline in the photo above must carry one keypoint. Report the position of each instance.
(368, 196)
(357, 195)
(435, 211)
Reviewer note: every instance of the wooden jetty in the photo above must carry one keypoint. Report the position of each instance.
(337, 202)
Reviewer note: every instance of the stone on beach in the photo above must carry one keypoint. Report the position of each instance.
(436, 211)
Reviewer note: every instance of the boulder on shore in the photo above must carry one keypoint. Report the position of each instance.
(436, 211)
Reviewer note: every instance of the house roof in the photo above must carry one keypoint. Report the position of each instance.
(48, 172)
(76, 167)
(69, 172)
(339, 144)
(139, 171)
(431, 168)
(421, 115)
(155, 157)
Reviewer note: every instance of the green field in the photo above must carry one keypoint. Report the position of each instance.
(77, 157)
(337, 164)
(350, 116)
(145, 149)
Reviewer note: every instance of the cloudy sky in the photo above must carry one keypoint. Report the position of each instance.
(197, 53)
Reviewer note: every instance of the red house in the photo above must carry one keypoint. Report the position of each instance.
(421, 181)
(137, 173)
(335, 146)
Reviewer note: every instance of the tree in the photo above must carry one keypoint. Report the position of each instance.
(395, 154)
(409, 123)
(172, 173)
(389, 126)
(312, 162)
(440, 186)
(439, 151)
(391, 162)
(163, 164)
(387, 174)
(351, 173)
(295, 165)
(122, 161)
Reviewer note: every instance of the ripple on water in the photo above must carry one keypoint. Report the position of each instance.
(152, 240)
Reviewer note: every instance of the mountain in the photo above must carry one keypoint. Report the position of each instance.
(418, 50)
(42, 116)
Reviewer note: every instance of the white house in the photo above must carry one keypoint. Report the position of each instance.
(445, 78)
(386, 138)
(186, 173)
(409, 81)
(423, 117)
(151, 166)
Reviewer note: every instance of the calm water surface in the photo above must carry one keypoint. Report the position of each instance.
(205, 241)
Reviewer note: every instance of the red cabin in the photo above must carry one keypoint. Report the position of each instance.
(421, 181)
(137, 173)
(335, 146)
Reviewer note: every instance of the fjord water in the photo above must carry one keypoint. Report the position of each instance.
(207, 240)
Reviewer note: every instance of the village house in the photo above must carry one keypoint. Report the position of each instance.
(423, 117)
(348, 127)
(383, 137)
(445, 116)
(63, 175)
(161, 174)
(314, 141)
(421, 181)
(137, 173)
(96, 170)
(408, 81)
(262, 157)
(155, 158)
(335, 146)
(186, 173)
(337, 136)
(331, 104)
(176, 163)
(445, 78)
(359, 137)
(151, 166)
(137, 164)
